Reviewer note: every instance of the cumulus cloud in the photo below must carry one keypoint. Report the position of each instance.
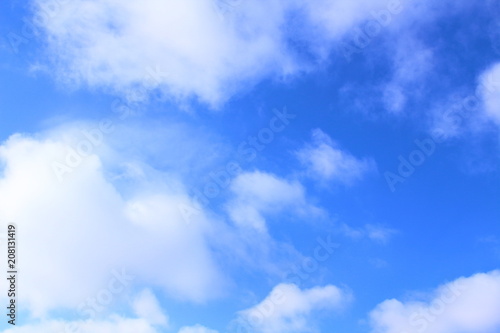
(116, 213)
(258, 194)
(324, 160)
(468, 305)
(208, 49)
(289, 309)
(85, 229)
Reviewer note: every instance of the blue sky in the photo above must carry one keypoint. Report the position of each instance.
(213, 166)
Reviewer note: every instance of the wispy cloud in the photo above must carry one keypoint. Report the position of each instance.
(326, 161)
(258, 194)
(412, 63)
(375, 233)
(196, 329)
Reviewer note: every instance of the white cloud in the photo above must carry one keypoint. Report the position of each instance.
(113, 324)
(412, 63)
(468, 305)
(490, 92)
(115, 213)
(469, 111)
(258, 194)
(84, 228)
(196, 329)
(209, 49)
(412, 58)
(147, 306)
(195, 51)
(290, 309)
(324, 160)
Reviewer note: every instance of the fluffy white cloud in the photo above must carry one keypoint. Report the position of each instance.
(209, 49)
(258, 193)
(147, 306)
(468, 305)
(324, 160)
(290, 309)
(85, 230)
(121, 222)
